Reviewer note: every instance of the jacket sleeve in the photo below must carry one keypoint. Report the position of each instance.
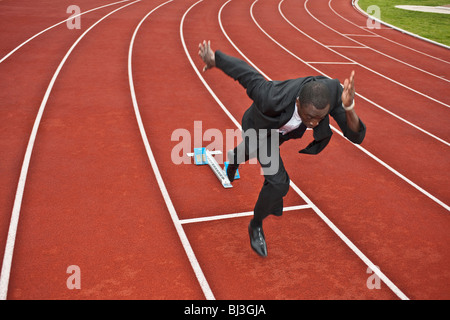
(338, 113)
(260, 90)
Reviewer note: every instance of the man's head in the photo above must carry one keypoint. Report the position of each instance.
(313, 103)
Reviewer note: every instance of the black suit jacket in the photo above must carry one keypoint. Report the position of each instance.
(274, 102)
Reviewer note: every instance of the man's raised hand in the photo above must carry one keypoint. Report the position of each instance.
(207, 55)
(348, 94)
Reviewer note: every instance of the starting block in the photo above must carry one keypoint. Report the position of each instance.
(203, 156)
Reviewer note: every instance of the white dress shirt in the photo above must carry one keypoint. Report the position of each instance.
(292, 124)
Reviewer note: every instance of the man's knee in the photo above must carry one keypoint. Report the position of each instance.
(279, 183)
(283, 187)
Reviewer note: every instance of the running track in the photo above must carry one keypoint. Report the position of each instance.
(95, 186)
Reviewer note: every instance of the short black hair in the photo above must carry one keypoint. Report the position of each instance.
(315, 93)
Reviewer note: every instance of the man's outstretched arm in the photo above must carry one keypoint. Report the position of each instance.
(258, 88)
(236, 68)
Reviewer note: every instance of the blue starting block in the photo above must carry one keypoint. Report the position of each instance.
(200, 156)
(203, 156)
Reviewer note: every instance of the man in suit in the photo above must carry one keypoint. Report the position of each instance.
(283, 109)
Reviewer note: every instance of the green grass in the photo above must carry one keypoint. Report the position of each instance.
(433, 26)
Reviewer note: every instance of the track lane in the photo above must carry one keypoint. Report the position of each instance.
(405, 40)
(23, 20)
(400, 105)
(401, 109)
(270, 264)
(425, 60)
(91, 190)
(174, 94)
(413, 78)
(173, 214)
(395, 152)
(399, 195)
(29, 71)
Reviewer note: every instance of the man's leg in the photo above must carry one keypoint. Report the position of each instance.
(234, 162)
(246, 150)
(270, 201)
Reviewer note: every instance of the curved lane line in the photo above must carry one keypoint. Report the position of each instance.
(358, 8)
(384, 54)
(385, 38)
(55, 25)
(173, 214)
(359, 95)
(366, 67)
(307, 200)
(330, 224)
(11, 239)
(441, 203)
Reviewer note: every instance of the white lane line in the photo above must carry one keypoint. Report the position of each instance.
(357, 94)
(382, 53)
(11, 239)
(379, 52)
(330, 224)
(173, 214)
(365, 28)
(360, 35)
(358, 8)
(238, 215)
(349, 47)
(55, 25)
(378, 28)
(429, 195)
(328, 62)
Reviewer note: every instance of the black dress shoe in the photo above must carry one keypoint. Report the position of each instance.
(257, 240)
(231, 171)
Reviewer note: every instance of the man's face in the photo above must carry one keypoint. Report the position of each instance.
(310, 115)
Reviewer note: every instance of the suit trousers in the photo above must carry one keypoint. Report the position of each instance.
(276, 179)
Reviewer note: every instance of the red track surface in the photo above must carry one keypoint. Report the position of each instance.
(92, 196)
